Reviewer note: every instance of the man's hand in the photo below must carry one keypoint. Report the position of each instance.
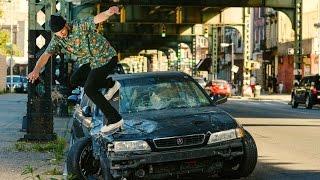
(112, 10)
(101, 17)
(34, 75)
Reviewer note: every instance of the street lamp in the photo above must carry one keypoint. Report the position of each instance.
(232, 58)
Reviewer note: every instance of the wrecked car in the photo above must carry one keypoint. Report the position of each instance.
(172, 128)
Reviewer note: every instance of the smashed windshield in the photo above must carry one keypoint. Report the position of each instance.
(160, 93)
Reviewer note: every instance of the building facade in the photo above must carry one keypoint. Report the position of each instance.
(15, 20)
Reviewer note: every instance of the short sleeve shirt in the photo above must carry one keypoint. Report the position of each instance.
(85, 43)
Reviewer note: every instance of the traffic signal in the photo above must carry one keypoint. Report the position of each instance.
(206, 33)
(163, 34)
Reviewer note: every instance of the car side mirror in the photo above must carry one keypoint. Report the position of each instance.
(86, 111)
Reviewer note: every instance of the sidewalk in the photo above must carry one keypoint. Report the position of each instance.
(14, 162)
(266, 97)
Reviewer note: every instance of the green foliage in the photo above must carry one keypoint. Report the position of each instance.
(5, 47)
(54, 171)
(56, 147)
(30, 171)
(71, 177)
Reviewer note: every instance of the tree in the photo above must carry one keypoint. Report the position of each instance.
(5, 45)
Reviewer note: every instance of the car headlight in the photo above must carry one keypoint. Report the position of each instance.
(122, 146)
(226, 135)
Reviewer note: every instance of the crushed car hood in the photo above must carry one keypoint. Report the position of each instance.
(174, 122)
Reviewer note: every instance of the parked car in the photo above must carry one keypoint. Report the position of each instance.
(218, 88)
(171, 128)
(19, 84)
(306, 92)
(201, 81)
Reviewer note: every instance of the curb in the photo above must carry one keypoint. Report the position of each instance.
(261, 99)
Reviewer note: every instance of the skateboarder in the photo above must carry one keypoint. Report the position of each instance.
(95, 56)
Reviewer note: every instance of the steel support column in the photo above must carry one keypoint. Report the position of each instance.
(214, 54)
(194, 55)
(247, 49)
(39, 119)
(179, 57)
(298, 41)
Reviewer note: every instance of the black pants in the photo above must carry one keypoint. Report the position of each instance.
(94, 79)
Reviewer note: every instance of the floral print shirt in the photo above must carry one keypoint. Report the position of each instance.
(85, 43)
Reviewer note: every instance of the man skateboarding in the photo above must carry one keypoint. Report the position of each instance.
(95, 56)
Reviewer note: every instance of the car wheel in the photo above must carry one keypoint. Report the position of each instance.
(243, 166)
(294, 103)
(80, 161)
(308, 102)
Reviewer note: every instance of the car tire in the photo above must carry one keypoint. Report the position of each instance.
(294, 103)
(80, 161)
(243, 166)
(308, 102)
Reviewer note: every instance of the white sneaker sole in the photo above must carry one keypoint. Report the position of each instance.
(112, 90)
(112, 127)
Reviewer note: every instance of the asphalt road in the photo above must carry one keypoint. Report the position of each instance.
(13, 162)
(288, 140)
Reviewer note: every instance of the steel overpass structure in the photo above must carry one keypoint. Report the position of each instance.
(139, 27)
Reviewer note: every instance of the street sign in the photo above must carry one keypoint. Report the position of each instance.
(235, 69)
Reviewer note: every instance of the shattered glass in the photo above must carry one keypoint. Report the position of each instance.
(157, 93)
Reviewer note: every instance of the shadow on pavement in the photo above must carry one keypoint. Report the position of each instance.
(284, 125)
(267, 171)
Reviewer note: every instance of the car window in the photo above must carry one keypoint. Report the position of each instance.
(302, 82)
(16, 79)
(160, 93)
(309, 80)
(219, 83)
(24, 79)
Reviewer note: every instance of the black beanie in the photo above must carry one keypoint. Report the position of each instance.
(56, 23)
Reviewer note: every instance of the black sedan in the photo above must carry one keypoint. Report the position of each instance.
(172, 129)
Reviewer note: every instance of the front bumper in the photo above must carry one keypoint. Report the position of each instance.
(205, 159)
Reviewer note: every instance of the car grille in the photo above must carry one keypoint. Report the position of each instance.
(181, 141)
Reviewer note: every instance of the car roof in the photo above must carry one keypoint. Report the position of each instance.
(167, 74)
(14, 76)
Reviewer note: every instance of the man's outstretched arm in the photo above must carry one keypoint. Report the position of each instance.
(40, 63)
(103, 16)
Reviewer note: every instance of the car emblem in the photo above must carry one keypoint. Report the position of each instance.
(179, 141)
